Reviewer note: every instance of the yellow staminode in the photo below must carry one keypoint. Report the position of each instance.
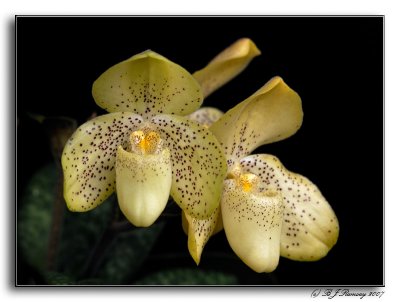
(248, 181)
(143, 143)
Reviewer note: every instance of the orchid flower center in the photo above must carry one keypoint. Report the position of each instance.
(247, 181)
(145, 142)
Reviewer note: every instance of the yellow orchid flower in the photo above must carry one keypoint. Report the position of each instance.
(266, 210)
(144, 148)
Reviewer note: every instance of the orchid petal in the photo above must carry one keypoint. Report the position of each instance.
(252, 223)
(199, 231)
(143, 185)
(206, 116)
(218, 227)
(147, 84)
(310, 228)
(271, 114)
(198, 164)
(89, 156)
(226, 65)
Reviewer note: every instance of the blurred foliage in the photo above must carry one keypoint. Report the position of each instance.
(55, 278)
(81, 233)
(183, 276)
(128, 253)
(34, 217)
(176, 276)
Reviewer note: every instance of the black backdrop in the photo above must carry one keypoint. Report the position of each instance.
(334, 63)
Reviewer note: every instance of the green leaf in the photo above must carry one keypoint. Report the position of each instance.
(35, 216)
(55, 278)
(127, 254)
(81, 233)
(181, 276)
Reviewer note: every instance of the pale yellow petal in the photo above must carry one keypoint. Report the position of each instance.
(310, 227)
(226, 65)
(271, 114)
(147, 84)
(252, 224)
(206, 116)
(198, 164)
(143, 185)
(89, 156)
(199, 231)
(218, 228)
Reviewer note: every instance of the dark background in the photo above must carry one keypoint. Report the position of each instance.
(334, 63)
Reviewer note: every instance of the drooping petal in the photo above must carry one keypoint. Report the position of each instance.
(226, 65)
(147, 84)
(199, 231)
(89, 156)
(198, 164)
(218, 227)
(271, 114)
(143, 185)
(206, 116)
(252, 224)
(310, 227)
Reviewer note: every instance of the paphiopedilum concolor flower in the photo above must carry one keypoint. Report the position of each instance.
(145, 148)
(266, 210)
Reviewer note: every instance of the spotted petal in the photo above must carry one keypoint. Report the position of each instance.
(200, 230)
(271, 114)
(89, 156)
(206, 116)
(218, 227)
(143, 185)
(310, 227)
(252, 223)
(226, 65)
(147, 84)
(198, 164)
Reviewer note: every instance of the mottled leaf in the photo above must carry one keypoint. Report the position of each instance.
(35, 216)
(127, 254)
